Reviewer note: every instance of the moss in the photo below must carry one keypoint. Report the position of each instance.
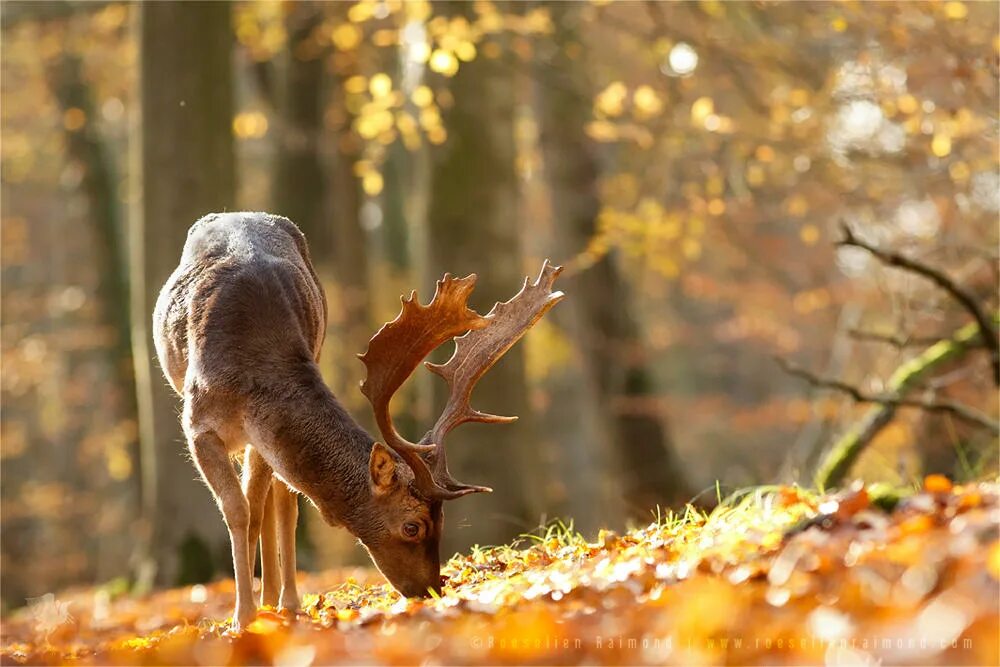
(846, 450)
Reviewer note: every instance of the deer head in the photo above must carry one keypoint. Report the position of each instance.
(410, 481)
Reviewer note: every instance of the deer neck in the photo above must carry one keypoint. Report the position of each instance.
(319, 449)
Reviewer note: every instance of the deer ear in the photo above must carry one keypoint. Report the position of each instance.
(382, 469)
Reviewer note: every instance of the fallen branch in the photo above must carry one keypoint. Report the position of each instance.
(959, 410)
(838, 461)
(965, 298)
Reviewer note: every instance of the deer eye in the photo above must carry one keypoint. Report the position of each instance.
(411, 529)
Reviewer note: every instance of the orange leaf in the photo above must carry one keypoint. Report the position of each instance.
(937, 484)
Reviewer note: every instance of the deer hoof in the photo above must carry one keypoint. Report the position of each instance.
(243, 617)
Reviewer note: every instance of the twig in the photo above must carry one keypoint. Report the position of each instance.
(958, 409)
(896, 340)
(957, 292)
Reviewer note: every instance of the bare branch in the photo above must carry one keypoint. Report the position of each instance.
(965, 298)
(896, 340)
(957, 409)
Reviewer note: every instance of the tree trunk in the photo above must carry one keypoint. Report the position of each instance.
(473, 228)
(186, 162)
(615, 357)
(299, 181)
(99, 185)
(319, 175)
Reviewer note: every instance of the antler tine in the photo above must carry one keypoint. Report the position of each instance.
(475, 353)
(396, 350)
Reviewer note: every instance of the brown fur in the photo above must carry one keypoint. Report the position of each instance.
(238, 328)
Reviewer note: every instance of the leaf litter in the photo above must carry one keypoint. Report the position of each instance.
(777, 575)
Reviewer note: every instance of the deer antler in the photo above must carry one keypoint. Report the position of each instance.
(475, 353)
(394, 352)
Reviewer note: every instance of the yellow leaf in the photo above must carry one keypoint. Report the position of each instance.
(380, 85)
(611, 100)
(799, 97)
(755, 175)
(385, 38)
(907, 104)
(360, 11)
(602, 131)
(764, 153)
(466, 51)
(356, 84)
(797, 206)
(646, 101)
(437, 135)
(959, 172)
(346, 37)
(809, 234)
(691, 248)
(993, 562)
(956, 11)
(941, 145)
(444, 62)
(716, 207)
(372, 183)
(422, 96)
(702, 108)
(420, 52)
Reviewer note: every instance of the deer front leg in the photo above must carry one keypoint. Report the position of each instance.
(257, 477)
(212, 459)
(286, 509)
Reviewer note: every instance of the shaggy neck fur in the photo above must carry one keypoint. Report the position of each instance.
(323, 451)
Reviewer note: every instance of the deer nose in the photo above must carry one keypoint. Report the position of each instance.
(417, 590)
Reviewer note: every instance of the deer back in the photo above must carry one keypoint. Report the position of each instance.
(244, 305)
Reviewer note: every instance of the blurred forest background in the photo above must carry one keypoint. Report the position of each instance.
(691, 164)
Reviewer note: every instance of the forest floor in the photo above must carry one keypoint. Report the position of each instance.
(777, 576)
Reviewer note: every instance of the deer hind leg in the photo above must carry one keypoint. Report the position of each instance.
(257, 477)
(286, 508)
(212, 458)
(270, 570)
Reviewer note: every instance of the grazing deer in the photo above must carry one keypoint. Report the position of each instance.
(238, 329)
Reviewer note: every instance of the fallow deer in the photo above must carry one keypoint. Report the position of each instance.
(238, 329)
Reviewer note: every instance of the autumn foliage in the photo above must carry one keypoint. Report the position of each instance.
(778, 575)
(693, 165)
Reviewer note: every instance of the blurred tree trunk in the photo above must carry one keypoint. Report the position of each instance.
(339, 249)
(85, 148)
(473, 228)
(187, 168)
(575, 429)
(616, 357)
(299, 178)
(350, 244)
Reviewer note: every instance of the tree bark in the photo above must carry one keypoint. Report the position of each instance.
(299, 177)
(186, 160)
(616, 359)
(85, 147)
